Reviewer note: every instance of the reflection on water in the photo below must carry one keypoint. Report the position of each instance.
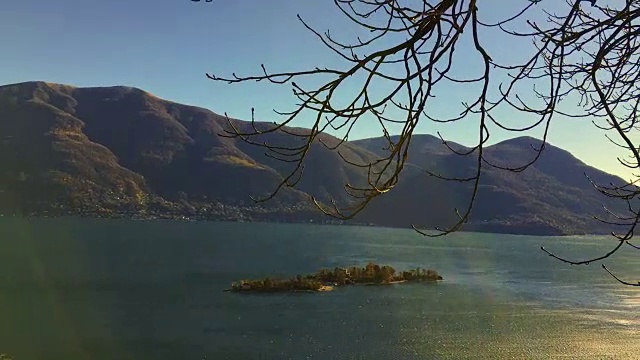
(127, 290)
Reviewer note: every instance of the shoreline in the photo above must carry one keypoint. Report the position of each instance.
(386, 283)
(473, 227)
(323, 288)
(327, 288)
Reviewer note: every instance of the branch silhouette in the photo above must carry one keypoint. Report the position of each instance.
(589, 54)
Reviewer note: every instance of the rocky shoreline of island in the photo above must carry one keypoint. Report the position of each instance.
(328, 280)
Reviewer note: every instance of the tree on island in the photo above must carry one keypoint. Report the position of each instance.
(371, 274)
(583, 63)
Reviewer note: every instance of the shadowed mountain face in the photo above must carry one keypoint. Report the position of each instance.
(120, 150)
(552, 196)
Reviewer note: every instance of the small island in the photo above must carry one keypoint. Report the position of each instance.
(326, 280)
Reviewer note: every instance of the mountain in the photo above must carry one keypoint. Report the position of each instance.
(552, 196)
(108, 151)
(113, 149)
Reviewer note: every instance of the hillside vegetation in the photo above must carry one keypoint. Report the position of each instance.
(120, 151)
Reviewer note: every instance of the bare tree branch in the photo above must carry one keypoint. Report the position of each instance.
(586, 54)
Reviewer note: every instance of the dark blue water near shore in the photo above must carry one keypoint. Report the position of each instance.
(107, 289)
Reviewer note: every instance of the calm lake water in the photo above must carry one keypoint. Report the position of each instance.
(107, 289)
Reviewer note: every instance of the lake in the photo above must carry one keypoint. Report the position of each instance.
(116, 289)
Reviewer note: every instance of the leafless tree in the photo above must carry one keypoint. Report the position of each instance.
(585, 53)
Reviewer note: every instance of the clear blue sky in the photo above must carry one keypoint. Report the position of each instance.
(166, 46)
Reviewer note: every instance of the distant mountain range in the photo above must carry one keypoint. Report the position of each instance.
(120, 151)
